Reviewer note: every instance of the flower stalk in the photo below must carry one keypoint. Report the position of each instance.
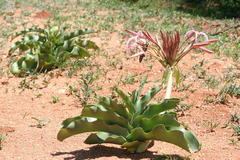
(168, 49)
(169, 85)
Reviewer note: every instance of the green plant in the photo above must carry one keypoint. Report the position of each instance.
(210, 125)
(234, 123)
(234, 141)
(237, 130)
(133, 124)
(128, 79)
(232, 89)
(40, 122)
(211, 81)
(48, 48)
(1, 140)
(87, 90)
(55, 99)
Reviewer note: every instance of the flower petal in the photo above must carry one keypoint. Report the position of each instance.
(190, 34)
(204, 34)
(132, 32)
(205, 43)
(130, 43)
(206, 50)
(137, 54)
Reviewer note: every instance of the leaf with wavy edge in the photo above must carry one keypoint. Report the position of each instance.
(108, 116)
(174, 135)
(156, 108)
(103, 137)
(167, 119)
(73, 126)
(137, 146)
(112, 105)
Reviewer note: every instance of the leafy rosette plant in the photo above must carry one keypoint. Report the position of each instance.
(45, 49)
(134, 124)
(168, 49)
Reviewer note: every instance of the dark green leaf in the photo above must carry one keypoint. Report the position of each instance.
(114, 106)
(167, 119)
(156, 108)
(137, 93)
(108, 116)
(146, 98)
(87, 44)
(137, 146)
(103, 137)
(77, 33)
(175, 135)
(79, 52)
(127, 100)
(73, 126)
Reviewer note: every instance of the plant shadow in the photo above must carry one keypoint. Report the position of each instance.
(104, 151)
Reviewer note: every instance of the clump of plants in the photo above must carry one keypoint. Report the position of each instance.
(232, 89)
(133, 122)
(46, 49)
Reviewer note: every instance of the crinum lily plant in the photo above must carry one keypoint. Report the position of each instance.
(132, 120)
(168, 49)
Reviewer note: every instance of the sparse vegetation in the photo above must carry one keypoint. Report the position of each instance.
(209, 88)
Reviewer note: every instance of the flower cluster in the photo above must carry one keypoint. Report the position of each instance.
(168, 49)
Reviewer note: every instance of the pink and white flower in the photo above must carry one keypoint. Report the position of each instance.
(169, 50)
(136, 43)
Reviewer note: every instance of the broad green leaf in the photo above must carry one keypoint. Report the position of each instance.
(54, 29)
(15, 68)
(156, 108)
(137, 146)
(66, 45)
(127, 100)
(112, 105)
(18, 45)
(87, 44)
(32, 29)
(103, 137)
(138, 106)
(167, 119)
(79, 52)
(23, 65)
(174, 135)
(77, 33)
(108, 116)
(77, 125)
(136, 94)
(146, 98)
